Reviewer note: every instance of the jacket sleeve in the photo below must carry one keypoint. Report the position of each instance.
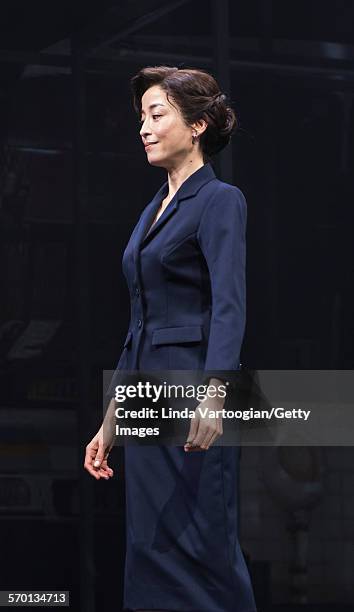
(222, 239)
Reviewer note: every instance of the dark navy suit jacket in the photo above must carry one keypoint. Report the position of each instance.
(186, 278)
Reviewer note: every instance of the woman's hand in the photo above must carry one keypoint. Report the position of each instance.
(96, 456)
(204, 430)
(98, 449)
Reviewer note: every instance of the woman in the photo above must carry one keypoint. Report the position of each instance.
(185, 269)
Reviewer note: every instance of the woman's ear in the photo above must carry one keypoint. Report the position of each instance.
(200, 126)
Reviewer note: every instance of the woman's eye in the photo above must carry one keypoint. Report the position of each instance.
(153, 116)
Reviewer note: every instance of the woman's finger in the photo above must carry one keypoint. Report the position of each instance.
(203, 432)
(193, 430)
(215, 435)
(207, 440)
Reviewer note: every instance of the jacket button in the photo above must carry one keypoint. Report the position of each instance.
(137, 292)
(140, 323)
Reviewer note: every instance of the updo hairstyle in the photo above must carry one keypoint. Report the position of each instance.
(197, 96)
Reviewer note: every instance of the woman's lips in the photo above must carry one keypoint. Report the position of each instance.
(150, 145)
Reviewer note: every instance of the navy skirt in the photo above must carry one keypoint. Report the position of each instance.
(183, 552)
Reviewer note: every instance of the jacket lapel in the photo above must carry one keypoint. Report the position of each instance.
(147, 218)
(148, 234)
(189, 188)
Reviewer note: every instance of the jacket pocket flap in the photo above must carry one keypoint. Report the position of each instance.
(176, 335)
(128, 338)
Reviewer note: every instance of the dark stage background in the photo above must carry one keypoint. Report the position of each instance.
(73, 181)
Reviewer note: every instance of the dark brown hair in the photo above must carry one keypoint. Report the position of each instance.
(197, 96)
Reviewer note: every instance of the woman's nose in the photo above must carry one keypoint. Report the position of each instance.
(144, 128)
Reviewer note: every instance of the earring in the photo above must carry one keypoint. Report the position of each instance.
(195, 137)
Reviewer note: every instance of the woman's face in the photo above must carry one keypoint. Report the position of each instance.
(162, 124)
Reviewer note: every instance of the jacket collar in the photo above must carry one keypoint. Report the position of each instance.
(194, 182)
(188, 189)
